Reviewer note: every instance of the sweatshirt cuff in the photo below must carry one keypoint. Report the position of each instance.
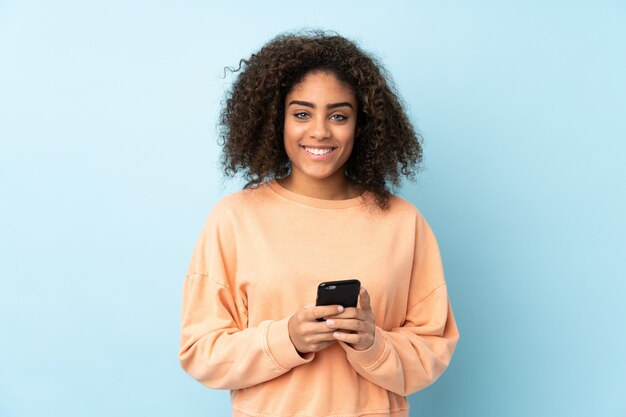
(281, 349)
(371, 357)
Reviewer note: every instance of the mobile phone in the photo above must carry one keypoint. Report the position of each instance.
(344, 293)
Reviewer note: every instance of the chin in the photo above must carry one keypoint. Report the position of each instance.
(319, 176)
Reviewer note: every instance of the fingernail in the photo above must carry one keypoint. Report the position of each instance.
(340, 308)
(330, 323)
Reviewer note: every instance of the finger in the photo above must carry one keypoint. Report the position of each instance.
(319, 327)
(348, 313)
(322, 337)
(364, 299)
(319, 312)
(346, 324)
(352, 338)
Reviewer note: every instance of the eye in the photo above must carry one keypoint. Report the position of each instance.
(301, 115)
(339, 117)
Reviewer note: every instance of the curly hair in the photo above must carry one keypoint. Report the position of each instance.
(385, 144)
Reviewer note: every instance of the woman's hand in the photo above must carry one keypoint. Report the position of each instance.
(309, 335)
(355, 326)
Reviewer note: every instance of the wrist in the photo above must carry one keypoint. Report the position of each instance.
(291, 338)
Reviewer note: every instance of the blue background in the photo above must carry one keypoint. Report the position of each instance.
(108, 168)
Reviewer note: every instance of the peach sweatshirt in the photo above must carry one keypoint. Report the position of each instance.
(260, 257)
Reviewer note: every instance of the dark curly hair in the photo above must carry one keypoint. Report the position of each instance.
(251, 121)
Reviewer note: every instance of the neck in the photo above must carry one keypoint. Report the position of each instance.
(336, 187)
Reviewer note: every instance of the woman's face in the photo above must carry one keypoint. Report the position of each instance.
(320, 121)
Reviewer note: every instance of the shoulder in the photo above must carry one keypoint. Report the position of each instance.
(400, 206)
(238, 203)
(405, 211)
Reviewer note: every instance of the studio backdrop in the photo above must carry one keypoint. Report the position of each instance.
(109, 167)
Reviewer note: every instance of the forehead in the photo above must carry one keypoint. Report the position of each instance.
(323, 86)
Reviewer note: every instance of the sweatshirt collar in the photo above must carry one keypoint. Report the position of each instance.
(316, 202)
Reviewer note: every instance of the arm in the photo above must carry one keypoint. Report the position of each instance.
(218, 353)
(411, 357)
(217, 347)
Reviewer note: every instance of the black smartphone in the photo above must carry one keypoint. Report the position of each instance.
(344, 293)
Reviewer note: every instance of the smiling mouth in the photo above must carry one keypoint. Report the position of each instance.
(318, 151)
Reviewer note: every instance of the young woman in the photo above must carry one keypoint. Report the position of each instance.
(320, 136)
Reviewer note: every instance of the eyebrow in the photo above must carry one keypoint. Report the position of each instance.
(330, 106)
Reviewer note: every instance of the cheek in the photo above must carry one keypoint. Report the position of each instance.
(292, 130)
(291, 136)
(347, 136)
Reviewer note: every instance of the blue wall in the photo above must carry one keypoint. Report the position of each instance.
(108, 168)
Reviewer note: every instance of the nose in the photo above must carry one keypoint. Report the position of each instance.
(319, 128)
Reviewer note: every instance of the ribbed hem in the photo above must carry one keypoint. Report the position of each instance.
(370, 358)
(316, 202)
(281, 348)
(402, 412)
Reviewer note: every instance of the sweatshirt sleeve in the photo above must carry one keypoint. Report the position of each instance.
(409, 358)
(217, 348)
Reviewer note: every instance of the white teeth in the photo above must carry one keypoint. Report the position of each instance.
(318, 151)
